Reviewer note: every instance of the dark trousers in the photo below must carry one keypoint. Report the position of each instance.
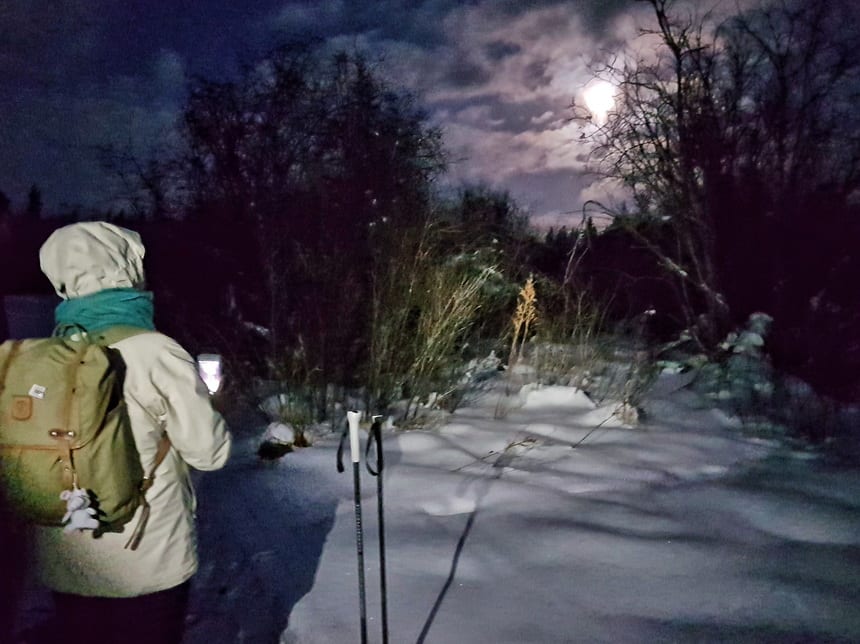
(157, 618)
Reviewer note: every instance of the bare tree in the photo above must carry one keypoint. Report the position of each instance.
(146, 187)
(730, 130)
(305, 157)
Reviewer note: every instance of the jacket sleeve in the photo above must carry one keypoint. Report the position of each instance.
(196, 430)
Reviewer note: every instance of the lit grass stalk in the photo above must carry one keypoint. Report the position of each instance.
(524, 317)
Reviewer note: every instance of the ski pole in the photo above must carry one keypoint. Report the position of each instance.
(376, 436)
(352, 418)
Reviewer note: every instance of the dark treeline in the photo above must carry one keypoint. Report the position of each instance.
(200, 277)
(210, 292)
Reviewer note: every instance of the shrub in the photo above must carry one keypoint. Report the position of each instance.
(425, 312)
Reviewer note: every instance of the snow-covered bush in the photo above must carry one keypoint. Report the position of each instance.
(744, 382)
(291, 411)
(747, 375)
(740, 378)
(277, 440)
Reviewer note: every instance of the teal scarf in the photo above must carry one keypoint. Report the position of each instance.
(104, 309)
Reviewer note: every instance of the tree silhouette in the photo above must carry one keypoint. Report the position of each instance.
(307, 161)
(743, 138)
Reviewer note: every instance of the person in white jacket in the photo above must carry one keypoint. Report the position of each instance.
(102, 589)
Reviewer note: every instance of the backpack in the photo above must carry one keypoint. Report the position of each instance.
(64, 426)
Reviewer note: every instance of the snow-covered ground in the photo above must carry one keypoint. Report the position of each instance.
(554, 523)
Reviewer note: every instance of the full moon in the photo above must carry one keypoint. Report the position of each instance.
(599, 98)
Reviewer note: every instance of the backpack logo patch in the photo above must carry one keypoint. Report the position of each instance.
(22, 407)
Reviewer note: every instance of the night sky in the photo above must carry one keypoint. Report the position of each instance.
(497, 75)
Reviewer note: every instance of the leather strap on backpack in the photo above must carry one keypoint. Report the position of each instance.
(160, 454)
(4, 368)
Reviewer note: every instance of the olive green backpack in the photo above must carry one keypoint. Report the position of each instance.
(64, 426)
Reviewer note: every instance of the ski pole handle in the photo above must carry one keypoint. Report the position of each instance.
(353, 418)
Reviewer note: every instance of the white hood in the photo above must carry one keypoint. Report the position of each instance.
(91, 256)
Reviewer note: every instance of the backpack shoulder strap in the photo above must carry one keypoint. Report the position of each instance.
(114, 334)
(164, 445)
(4, 368)
(137, 534)
(15, 346)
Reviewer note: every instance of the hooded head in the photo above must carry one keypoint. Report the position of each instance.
(88, 257)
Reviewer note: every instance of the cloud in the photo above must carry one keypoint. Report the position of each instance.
(501, 84)
(498, 75)
(468, 73)
(606, 191)
(499, 49)
(168, 72)
(299, 18)
(497, 155)
(543, 118)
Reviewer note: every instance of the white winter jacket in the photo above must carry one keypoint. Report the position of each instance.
(163, 392)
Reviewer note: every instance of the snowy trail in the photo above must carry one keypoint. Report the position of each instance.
(257, 558)
(665, 533)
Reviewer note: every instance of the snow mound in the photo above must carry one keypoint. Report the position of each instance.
(556, 397)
